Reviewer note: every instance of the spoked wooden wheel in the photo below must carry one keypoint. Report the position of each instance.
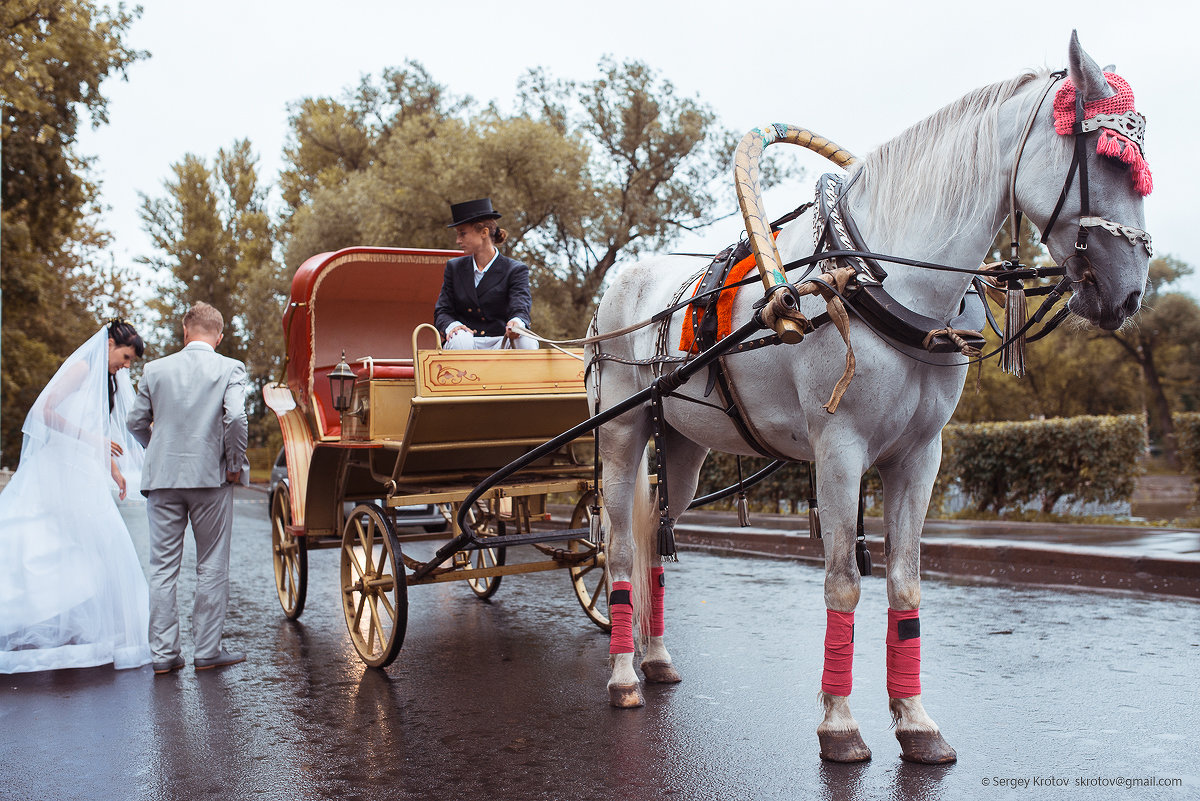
(290, 555)
(374, 589)
(484, 523)
(590, 579)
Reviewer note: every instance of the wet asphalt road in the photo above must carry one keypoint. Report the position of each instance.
(506, 700)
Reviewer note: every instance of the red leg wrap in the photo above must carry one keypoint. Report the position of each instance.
(658, 592)
(839, 652)
(903, 653)
(620, 610)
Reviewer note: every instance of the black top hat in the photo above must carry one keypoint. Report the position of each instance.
(471, 211)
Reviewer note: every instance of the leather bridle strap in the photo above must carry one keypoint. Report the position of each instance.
(1055, 77)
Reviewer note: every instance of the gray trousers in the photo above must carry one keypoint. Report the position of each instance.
(210, 511)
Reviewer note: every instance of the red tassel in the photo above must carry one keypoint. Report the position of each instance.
(1143, 182)
(1107, 145)
(1130, 155)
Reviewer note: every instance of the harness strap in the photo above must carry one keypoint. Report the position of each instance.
(706, 330)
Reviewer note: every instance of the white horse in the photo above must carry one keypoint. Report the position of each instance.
(939, 192)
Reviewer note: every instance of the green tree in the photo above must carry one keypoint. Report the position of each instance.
(54, 56)
(1162, 342)
(214, 242)
(382, 164)
(1068, 373)
(659, 166)
(584, 174)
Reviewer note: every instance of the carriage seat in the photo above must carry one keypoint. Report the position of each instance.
(370, 368)
(367, 368)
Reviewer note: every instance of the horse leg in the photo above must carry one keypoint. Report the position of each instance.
(626, 496)
(838, 475)
(683, 472)
(907, 486)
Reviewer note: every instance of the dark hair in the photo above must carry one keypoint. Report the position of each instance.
(494, 230)
(123, 334)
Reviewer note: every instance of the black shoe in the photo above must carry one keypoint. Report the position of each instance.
(220, 660)
(168, 665)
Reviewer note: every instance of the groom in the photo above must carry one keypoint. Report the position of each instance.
(195, 400)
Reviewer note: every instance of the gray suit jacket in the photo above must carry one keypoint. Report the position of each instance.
(196, 400)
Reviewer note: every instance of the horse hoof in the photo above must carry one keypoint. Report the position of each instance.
(925, 747)
(843, 746)
(625, 696)
(661, 673)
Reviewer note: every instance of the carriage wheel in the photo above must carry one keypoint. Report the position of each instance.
(290, 554)
(590, 580)
(374, 589)
(483, 524)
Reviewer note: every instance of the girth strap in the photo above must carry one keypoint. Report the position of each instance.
(705, 331)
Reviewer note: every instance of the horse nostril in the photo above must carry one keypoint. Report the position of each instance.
(1132, 302)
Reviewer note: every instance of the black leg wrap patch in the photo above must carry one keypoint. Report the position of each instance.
(908, 629)
(619, 597)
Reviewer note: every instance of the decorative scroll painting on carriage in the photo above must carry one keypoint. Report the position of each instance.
(415, 431)
(938, 193)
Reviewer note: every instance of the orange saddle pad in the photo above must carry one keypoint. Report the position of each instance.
(687, 339)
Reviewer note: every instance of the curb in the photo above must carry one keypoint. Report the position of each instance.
(1001, 561)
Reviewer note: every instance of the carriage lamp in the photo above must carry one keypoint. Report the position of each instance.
(339, 377)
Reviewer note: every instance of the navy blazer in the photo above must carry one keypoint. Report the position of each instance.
(502, 294)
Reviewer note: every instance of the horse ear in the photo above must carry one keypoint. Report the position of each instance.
(1085, 74)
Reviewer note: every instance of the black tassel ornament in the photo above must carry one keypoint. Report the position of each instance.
(861, 554)
(1016, 312)
(743, 506)
(814, 516)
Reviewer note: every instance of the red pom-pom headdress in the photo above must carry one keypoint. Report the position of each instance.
(1122, 130)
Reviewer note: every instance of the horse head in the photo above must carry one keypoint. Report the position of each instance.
(1098, 234)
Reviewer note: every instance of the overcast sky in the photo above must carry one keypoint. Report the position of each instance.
(855, 72)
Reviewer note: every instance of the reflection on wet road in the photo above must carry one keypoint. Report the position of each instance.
(506, 700)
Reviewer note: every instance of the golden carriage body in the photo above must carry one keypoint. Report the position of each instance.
(418, 425)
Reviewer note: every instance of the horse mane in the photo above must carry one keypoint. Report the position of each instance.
(940, 176)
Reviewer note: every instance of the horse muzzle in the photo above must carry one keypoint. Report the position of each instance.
(1103, 306)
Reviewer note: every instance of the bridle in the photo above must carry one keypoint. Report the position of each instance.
(1130, 125)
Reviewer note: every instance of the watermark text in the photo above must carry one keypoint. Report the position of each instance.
(1121, 782)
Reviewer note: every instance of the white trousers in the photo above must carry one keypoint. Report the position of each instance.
(463, 340)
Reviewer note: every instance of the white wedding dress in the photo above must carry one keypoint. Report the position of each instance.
(72, 591)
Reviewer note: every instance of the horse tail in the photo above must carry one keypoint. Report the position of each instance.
(645, 551)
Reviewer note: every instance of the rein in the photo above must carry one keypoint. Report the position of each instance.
(1019, 274)
(1011, 274)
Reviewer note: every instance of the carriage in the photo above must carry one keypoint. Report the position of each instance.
(377, 417)
(933, 196)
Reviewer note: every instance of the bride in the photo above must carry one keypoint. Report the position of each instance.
(72, 591)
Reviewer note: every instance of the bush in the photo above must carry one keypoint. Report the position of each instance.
(1001, 465)
(1187, 437)
(785, 490)
(997, 465)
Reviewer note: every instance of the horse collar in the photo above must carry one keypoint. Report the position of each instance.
(871, 302)
(840, 231)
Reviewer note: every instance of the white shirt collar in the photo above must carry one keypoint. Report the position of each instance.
(196, 343)
(484, 268)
